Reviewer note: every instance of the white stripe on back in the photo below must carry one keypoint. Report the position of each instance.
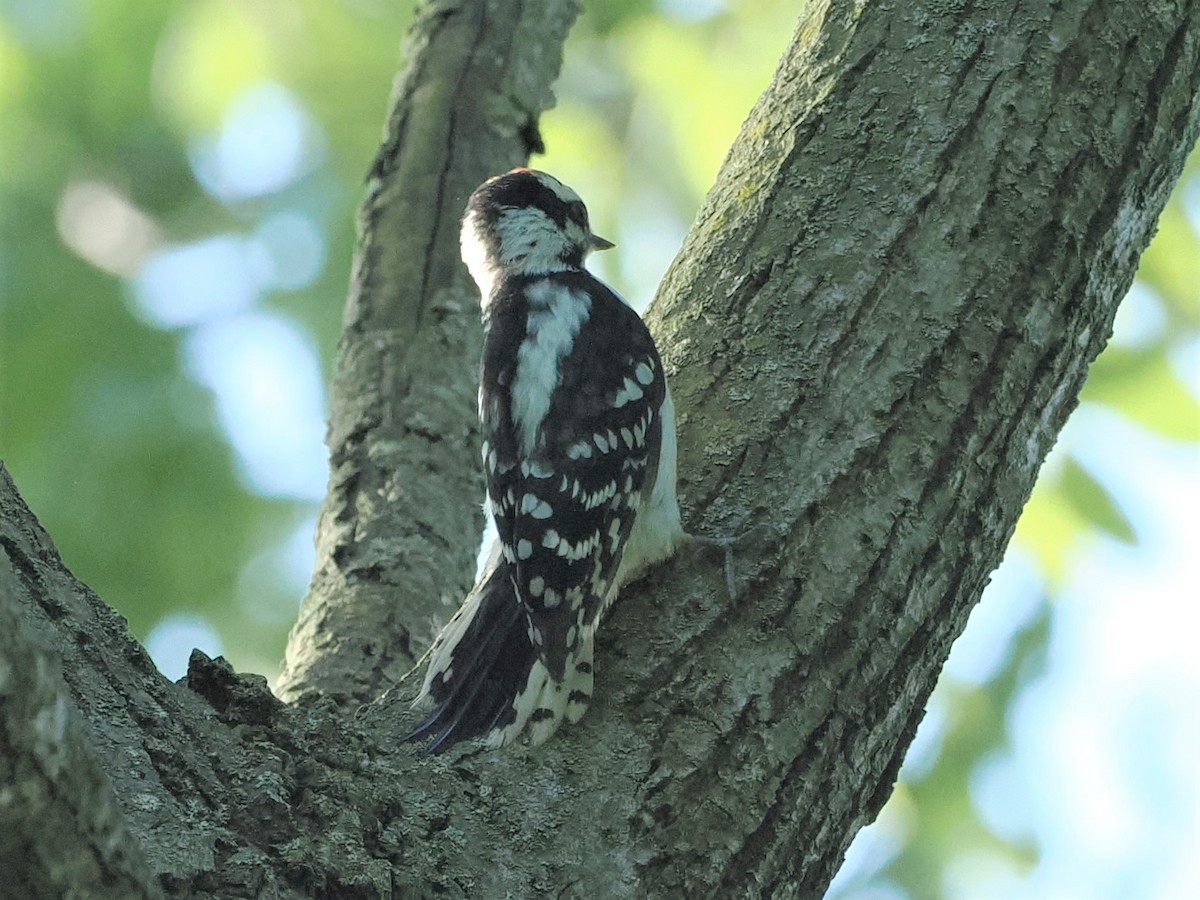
(556, 313)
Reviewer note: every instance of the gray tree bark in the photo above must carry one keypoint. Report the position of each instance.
(874, 331)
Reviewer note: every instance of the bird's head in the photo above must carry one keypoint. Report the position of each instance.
(525, 223)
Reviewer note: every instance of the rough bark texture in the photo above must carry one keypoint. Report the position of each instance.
(875, 330)
(62, 832)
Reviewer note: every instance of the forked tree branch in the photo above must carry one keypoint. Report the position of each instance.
(875, 331)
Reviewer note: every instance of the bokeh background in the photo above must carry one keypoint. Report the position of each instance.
(178, 183)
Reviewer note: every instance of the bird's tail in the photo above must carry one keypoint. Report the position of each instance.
(486, 677)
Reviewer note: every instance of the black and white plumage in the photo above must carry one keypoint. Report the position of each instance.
(579, 453)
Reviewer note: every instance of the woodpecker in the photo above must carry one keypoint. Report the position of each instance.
(579, 456)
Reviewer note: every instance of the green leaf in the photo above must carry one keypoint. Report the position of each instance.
(1092, 501)
(1144, 388)
(1050, 528)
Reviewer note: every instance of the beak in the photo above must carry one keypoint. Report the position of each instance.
(599, 243)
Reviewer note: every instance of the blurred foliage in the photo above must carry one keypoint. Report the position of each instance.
(941, 820)
(1145, 375)
(114, 445)
(115, 117)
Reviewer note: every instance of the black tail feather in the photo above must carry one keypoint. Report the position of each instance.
(489, 665)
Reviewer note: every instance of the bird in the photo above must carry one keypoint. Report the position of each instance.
(579, 455)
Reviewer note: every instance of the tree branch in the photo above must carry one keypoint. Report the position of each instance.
(877, 327)
(875, 331)
(49, 774)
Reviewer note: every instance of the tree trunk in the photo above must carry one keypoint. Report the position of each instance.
(874, 331)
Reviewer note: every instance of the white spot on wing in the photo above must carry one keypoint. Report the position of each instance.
(629, 391)
(594, 499)
(614, 534)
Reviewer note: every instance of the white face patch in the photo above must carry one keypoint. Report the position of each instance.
(577, 234)
(530, 241)
(564, 193)
(475, 255)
